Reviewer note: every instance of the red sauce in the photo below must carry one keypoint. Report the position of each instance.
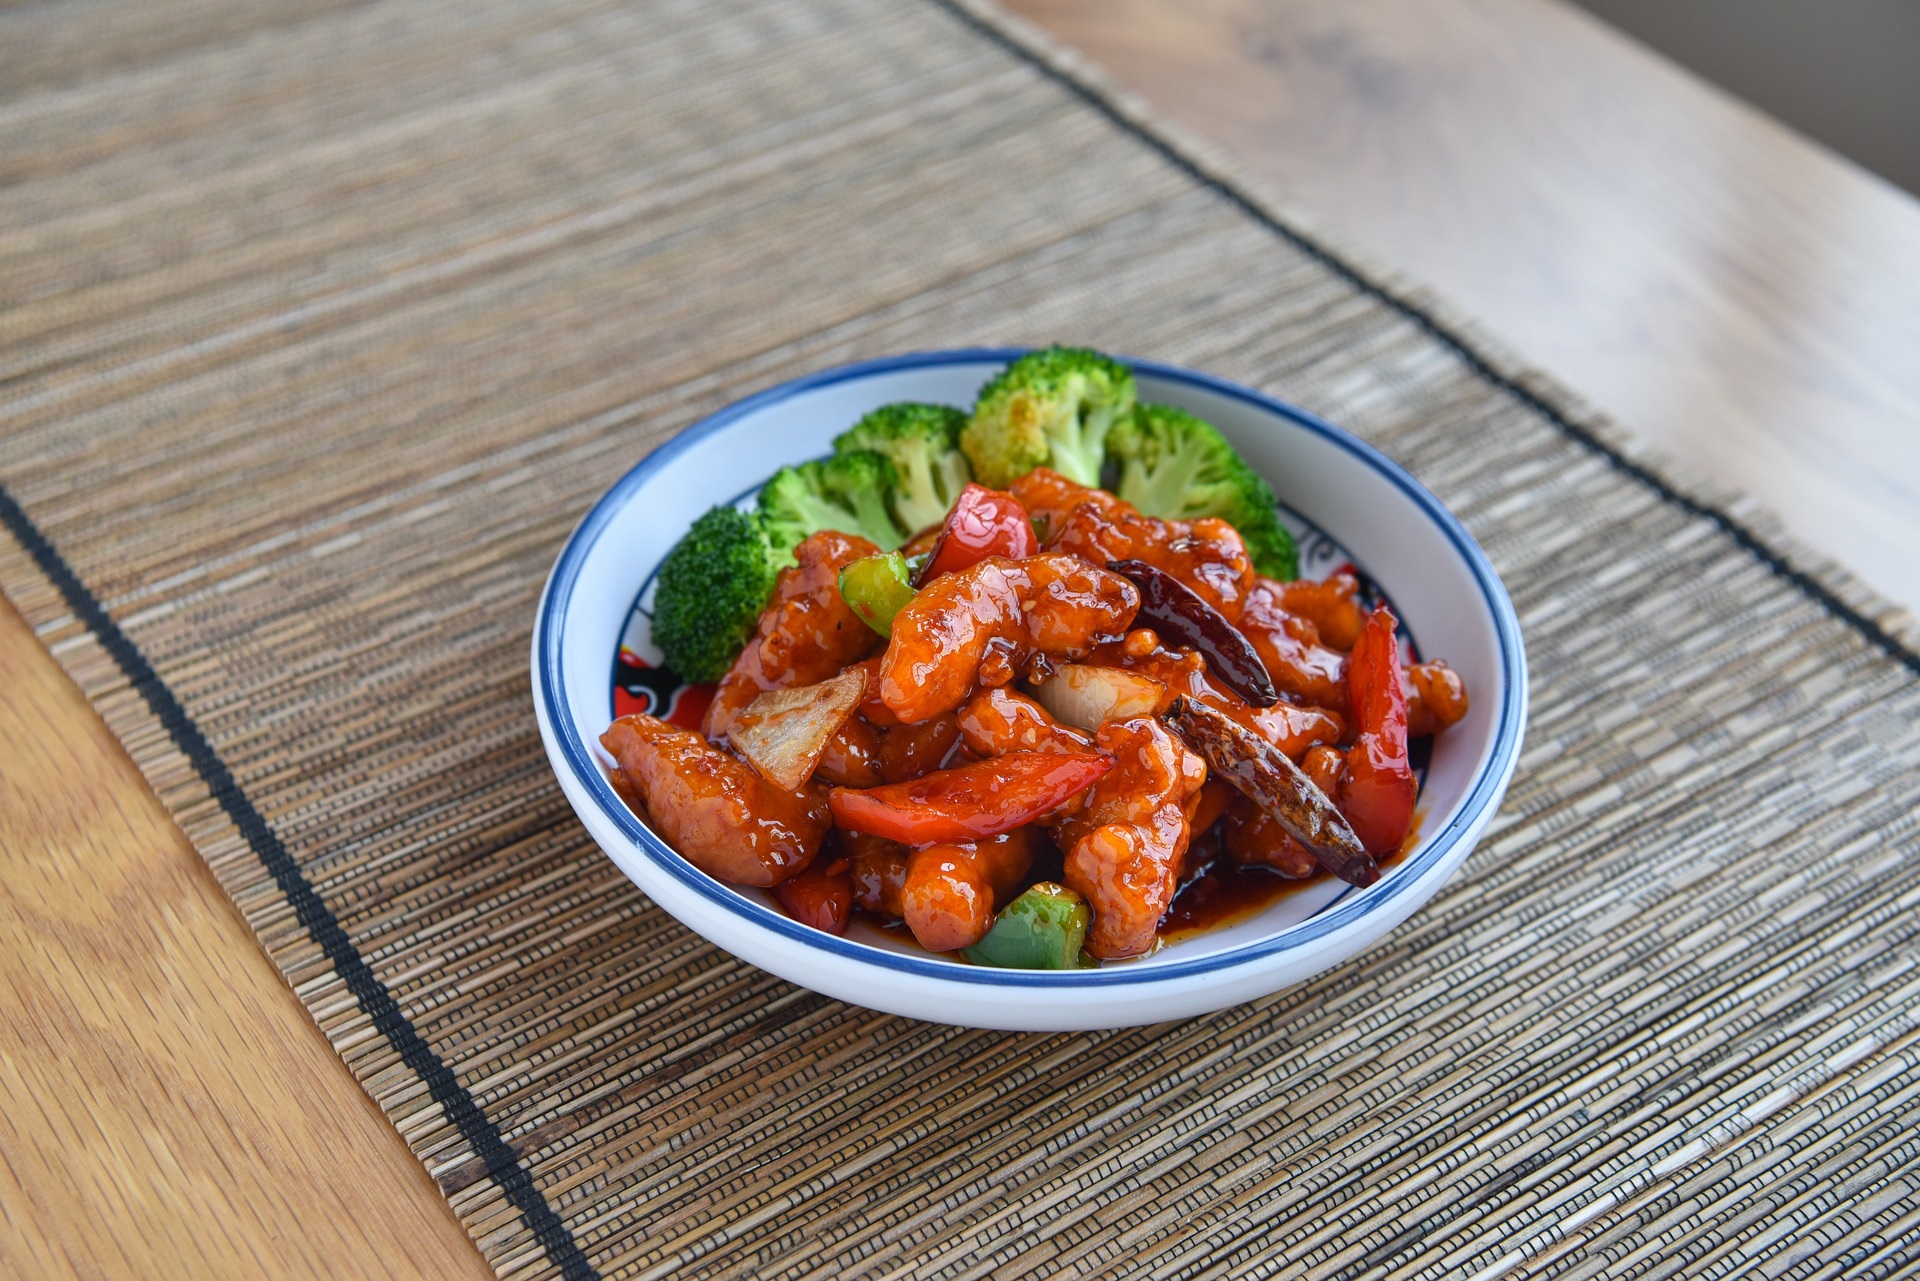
(1223, 893)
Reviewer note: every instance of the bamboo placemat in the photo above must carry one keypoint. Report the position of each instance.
(324, 322)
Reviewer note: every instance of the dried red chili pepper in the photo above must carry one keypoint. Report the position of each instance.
(1181, 615)
(1268, 779)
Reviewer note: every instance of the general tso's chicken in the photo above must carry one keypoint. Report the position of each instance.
(1436, 698)
(1290, 727)
(852, 758)
(997, 721)
(1125, 846)
(862, 754)
(1208, 805)
(1255, 838)
(1049, 497)
(992, 618)
(1303, 631)
(952, 891)
(1295, 730)
(1290, 647)
(1207, 555)
(806, 634)
(1332, 605)
(879, 872)
(1323, 766)
(718, 811)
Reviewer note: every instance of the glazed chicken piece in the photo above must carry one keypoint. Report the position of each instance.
(879, 872)
(1305, 654)
(1324, 766)
(1290, 647)
(852, 758)
(717, 810)
(1332, 606)
(1436, 698)
(1124, 848)
(1255, 838)
(1295, 730)
(1049, 497)
(862, 754)
(1207, 554)
(997, 721)
(952, 891)
(1208, 806)
(985, 622)
(807, 633)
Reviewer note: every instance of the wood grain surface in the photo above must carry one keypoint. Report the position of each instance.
(1742, 298)
(172, 1110)
(1739, 296)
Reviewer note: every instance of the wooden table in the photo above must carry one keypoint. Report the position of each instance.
(1746, 300)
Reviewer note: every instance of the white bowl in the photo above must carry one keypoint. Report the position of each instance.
(1439, 580)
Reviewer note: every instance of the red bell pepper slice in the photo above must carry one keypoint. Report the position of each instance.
(984, 522)
(1378, 790)
(970, 803)
(820, 896)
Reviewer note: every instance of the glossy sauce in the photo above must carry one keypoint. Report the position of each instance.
(1222, 893)
(1206, 554)
(1046, 604)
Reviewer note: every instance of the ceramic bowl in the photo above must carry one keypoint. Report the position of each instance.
(1345, 499)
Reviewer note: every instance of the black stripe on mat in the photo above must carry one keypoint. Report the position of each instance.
(1734, 529)
(317, 918)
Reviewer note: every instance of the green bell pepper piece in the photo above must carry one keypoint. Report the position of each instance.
(1043, 929)
(876, 588)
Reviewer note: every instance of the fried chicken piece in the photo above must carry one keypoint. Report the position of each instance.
(863, 754)
(1255, 838)
(879, 872)
(1124, 848)
(1436, 698)
(1290, 647)
(997, 721)
(1331, 605)
(715, 809)
(1206, 554)
(952, 891)
(1302, 631)
(1001, 610)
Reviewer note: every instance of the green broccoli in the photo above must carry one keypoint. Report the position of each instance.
(847, 492)
(712, 587)
(1179, 467)
(1049, 408)
(923, 444)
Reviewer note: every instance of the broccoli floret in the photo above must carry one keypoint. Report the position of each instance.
(1049, 408)
(923, 444)
(712, 587)
(847, 492)
(1179, 467)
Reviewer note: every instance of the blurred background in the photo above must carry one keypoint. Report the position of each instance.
(1844, 72)
(1698, 214)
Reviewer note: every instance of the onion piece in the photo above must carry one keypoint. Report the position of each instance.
(1088, 697)
(784, 732)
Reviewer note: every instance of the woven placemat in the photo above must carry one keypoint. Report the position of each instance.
(322, 325)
